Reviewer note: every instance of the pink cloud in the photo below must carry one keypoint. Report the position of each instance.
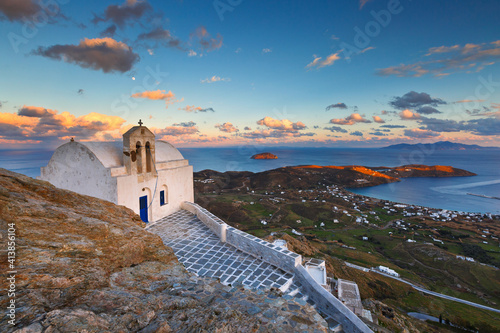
(284, 125)
(408, 115)
(350, 120)
(169, 97)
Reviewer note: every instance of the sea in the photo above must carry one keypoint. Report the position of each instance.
(442, 193)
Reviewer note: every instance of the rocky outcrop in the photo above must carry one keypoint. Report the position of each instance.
(84, 264)
(264, 156)
(418, 170)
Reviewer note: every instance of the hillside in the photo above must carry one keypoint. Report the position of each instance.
(86, 265)
(306, 175)
(441, 145)
(310, 208)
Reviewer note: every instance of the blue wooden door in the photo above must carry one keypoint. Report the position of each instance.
(143, 206)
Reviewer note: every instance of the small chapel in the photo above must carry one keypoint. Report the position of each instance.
(149, 176)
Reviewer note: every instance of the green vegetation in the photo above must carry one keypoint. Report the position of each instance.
(430, 259)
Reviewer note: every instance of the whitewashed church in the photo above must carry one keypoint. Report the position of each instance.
(150, 177)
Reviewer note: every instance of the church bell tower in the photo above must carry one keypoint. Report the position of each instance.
(139, 152)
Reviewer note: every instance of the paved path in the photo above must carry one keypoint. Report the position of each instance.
(202, 253)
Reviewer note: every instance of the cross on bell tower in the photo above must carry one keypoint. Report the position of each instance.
(140, 122)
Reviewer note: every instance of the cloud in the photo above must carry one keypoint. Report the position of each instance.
(350, 120)
(367, 49)
(130, 11)
(427, 110)
(227, 127)
(169, 97)
(205, 41)
(379, 120)
(470, 58)
(420, 133)
(283, 125)
(34, 111)
(17, 10)
(356, 133)
(41, 124)
(176, 130)
(408, 115)
(247, 128)
(336, 129)
(393, 126)
(384, 112)
(162, 37)
(266, 134)
(109, 31)
(377, 133)
(196, 109)
(104, 54)
(482, 126)
(185, 124)
(207, 110)
(80, 91)
(215, 78)
(470, 101)
(266, 51)
(414, 99)
(318, 63)
(338, 106)
(192, 53)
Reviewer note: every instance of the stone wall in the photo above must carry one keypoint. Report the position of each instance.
(329, 304)
(273, 254)
(287, 261)
(214, 223)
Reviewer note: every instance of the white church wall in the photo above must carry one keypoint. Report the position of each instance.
(179, 183)
(74, 167)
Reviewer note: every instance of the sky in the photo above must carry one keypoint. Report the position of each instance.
(343, 73)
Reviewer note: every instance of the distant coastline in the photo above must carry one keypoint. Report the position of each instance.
(441, 145)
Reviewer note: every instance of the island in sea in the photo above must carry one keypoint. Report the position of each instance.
(441, 145)
(264, 156)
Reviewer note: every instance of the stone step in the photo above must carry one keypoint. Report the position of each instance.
(286, 285)
(294, 292)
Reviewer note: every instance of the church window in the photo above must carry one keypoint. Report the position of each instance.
(162, 197)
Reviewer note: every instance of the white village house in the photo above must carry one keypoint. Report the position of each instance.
(149, 176)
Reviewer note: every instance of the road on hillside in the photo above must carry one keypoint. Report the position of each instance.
(433, 293)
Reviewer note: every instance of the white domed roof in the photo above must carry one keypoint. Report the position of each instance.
(166, 152)
(109, 153)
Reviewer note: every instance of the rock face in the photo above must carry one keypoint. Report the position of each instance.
(418, 170)
(85, 264)
(264, 156)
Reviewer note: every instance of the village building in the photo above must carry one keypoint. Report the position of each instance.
(149, 176)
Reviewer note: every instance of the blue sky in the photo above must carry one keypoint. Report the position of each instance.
(342, 73)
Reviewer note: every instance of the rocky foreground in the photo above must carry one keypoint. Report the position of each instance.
(86, 265)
